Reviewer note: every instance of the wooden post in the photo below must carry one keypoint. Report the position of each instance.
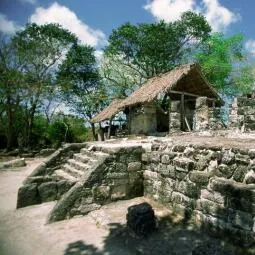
(182, 112)
(109, 129)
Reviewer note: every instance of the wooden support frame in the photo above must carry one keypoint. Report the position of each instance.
(190, 94)
(182, 112)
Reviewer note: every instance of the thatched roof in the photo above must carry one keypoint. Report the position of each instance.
(186, 78)
(114, 108)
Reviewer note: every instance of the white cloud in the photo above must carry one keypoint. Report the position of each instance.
(99, 55)
(57, 13)
(250, 46)
(169, 10)
(7, 26)
(218, 16)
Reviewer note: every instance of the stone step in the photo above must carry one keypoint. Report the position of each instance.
(93, 154)
(78, 165)
(62, 174)
(83, 158)
(73, 171)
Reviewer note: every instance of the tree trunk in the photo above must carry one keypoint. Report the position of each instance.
(10, 134)
(94, 131)
(109, 129)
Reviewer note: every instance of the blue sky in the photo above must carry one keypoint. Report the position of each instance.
(93, 20)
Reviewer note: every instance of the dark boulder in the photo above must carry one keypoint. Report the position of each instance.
(141, 219)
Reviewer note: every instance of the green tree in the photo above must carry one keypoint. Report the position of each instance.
(79, 75)
(40, 49)
(11, 90)
(118, 78)
(223, 63)
(152, 49)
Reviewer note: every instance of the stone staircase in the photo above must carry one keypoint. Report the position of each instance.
(76, 167)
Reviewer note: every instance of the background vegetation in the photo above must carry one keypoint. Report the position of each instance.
(51, 85)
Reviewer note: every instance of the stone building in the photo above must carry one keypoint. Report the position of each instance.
(242, 113)
(180, 99)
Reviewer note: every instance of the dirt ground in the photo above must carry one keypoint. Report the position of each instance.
(101, 232)
(225, 139)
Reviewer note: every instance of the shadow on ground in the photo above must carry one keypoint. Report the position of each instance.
(170, 238)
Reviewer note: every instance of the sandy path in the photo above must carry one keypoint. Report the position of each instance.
(24, 231)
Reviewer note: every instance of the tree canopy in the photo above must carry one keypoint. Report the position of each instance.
(80, 81)
(152, 49)
(223, 62)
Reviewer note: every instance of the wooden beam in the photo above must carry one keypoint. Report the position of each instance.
(182, 111)
(187, 123)
(190, 94)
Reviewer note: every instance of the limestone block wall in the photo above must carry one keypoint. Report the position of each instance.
(174, 117)
(201, 114)
(242, 114)
(215, 122)
(211, 186)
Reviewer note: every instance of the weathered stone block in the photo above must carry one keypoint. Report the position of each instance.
(154, 167)
(86, 208)
(242, 159)
(150, 175)
(101, 193)
(116, 175)
(184, 163)
(180, 174)
(251, 153)
(180, 198)
(212, 166)
(119, 192)
(228, 157)
(165, 159)
(178, 148)
(28, 195)
(146, 157)
(202, 163)
(214, 209)
(199, 177)
(63, 186)
(120, 167)
(240, 173)
(171, 171)
(188, 188)
(134, 166)
(168, 184)
(48, 191)
(13, 163)
(213, 196)
(240, 219)
(250, 177)
(155, 157)
(172, 155)
(225, 171)
(188, 152)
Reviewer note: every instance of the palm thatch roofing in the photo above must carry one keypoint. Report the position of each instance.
(110, 111)
(186, 78)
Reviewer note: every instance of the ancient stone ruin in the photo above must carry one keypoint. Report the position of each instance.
(242, 113)
(211, 186)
